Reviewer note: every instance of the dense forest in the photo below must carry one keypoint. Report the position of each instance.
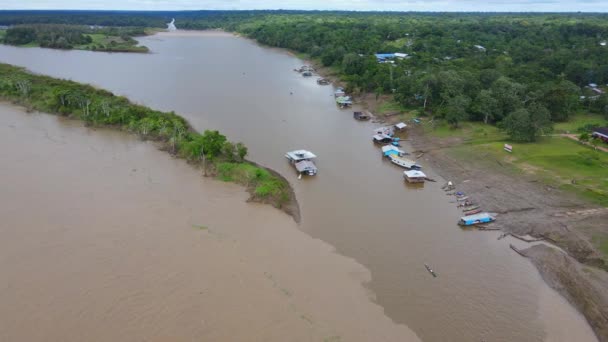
(97, 107)
(520, 71)
(60, 36)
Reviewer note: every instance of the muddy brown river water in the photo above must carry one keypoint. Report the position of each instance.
(358, 203)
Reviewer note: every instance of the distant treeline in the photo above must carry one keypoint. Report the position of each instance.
(512, 69)
(99, 107)
(59, 36)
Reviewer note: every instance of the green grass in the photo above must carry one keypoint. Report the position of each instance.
(580, 121)
(390, 106)
(265, 184)
(470, 132)
(554, 160)
(2, 34)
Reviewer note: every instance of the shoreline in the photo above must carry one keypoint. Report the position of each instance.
(185, 257)
(173, 133)
(578, 249)
(291, 207)
(528, 208)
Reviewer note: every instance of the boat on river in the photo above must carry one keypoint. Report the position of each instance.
(472, 212)
(361, 116)
(302, 161)
(404, 162)
(414, 176)
(471, 220)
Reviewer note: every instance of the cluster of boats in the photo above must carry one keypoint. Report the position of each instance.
(385, 136)
(473, 214)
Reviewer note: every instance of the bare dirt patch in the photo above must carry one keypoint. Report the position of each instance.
(527, 206)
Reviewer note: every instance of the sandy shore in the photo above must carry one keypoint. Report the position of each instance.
(106, 238)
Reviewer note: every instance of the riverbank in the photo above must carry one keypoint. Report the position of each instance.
(172, 133)
(107, 239)
(68, 37)
(527, 206)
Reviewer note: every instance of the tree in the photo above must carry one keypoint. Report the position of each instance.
(213, 142)
(525, 124)
(487, 105)
(241, 151)
(457, 109)
(229, 151)
(518, 125)
(562, 99)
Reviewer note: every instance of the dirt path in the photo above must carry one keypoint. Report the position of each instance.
(575, 137)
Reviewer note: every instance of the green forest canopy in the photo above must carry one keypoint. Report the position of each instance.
(533, 68)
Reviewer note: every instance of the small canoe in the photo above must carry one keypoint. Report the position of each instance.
(469, 208)
(428, 268)
(472, 212)
(462, 199)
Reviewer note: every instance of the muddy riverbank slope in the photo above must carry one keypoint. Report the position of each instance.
(528, 207)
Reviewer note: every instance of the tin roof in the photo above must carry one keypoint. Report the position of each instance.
(476, 217)
(414, 174)
(300, 155)
(305, 165)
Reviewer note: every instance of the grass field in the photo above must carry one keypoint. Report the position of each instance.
(576, 123)
(555, 160)
(2, 34)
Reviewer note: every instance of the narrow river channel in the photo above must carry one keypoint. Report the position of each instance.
(358, 203)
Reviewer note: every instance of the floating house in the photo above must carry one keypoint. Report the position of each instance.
(401, 126)
(471, 220)
(414, 176)
(386, 130)
(302, 161)
(344, 101)
(382, 139)
(361, 116)
(339, 92)
(390, 150)
(404, 162)
(306, 167)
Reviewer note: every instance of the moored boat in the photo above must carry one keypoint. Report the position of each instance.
(414, 176)
(472, 212)
(471, 220)
(302, 161)
(404, 162)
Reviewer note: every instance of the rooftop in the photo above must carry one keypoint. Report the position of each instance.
(414, 174)
(476, 217)
(300, 155)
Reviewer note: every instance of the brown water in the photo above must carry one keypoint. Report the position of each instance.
(358, 202)
(101, 240)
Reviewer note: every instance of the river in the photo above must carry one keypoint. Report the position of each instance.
(358, 203)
